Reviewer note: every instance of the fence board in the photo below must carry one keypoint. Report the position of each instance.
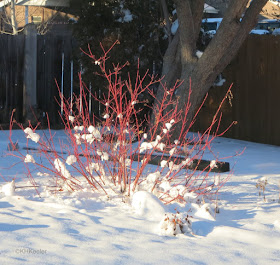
(50, 49)
(11, 77)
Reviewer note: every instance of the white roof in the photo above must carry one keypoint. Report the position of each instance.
(210, 9)
(36, 2)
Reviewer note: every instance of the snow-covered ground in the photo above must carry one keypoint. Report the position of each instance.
(89, 228)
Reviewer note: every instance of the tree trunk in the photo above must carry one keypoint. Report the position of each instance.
(181, 53)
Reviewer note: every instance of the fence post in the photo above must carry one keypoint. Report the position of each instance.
(30, 71)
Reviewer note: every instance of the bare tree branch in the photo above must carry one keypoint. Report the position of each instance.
(13, 18)
(186, 31)
(249, 20)
(221, 44)
(197, 7)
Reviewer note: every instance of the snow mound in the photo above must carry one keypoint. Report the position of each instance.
(9, 189)
(203, 211)
(174, 224)
(148, 205)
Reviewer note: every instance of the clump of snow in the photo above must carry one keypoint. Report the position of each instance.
(31, 135)
(168, 125)
(145, 146)
(173, 167)
(78, 128)
(95, 133)
(176, 191)
(29, 159)
(127, 16)
(61, 168)
(104, 155)
(95, 167)
(71, 118)
(91, 129)
(106, 116)
(213, 164)
(172, 151)
(262, 182)
(150, 145)
(164, 163)
(198, 54)
(161, 146)
(150, 181)
(188, 162)
(43, 174)
(89, 138)
(128, 162)
(164, 185)
(71, 160)
(219, 80)
(148, 205)
(78, 138)
(9, 188)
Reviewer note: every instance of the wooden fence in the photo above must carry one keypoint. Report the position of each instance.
(13, 64)
(255, 75)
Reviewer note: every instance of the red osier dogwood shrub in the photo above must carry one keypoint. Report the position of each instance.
(114, 152)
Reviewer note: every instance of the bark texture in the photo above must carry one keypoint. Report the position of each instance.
(180, 60)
